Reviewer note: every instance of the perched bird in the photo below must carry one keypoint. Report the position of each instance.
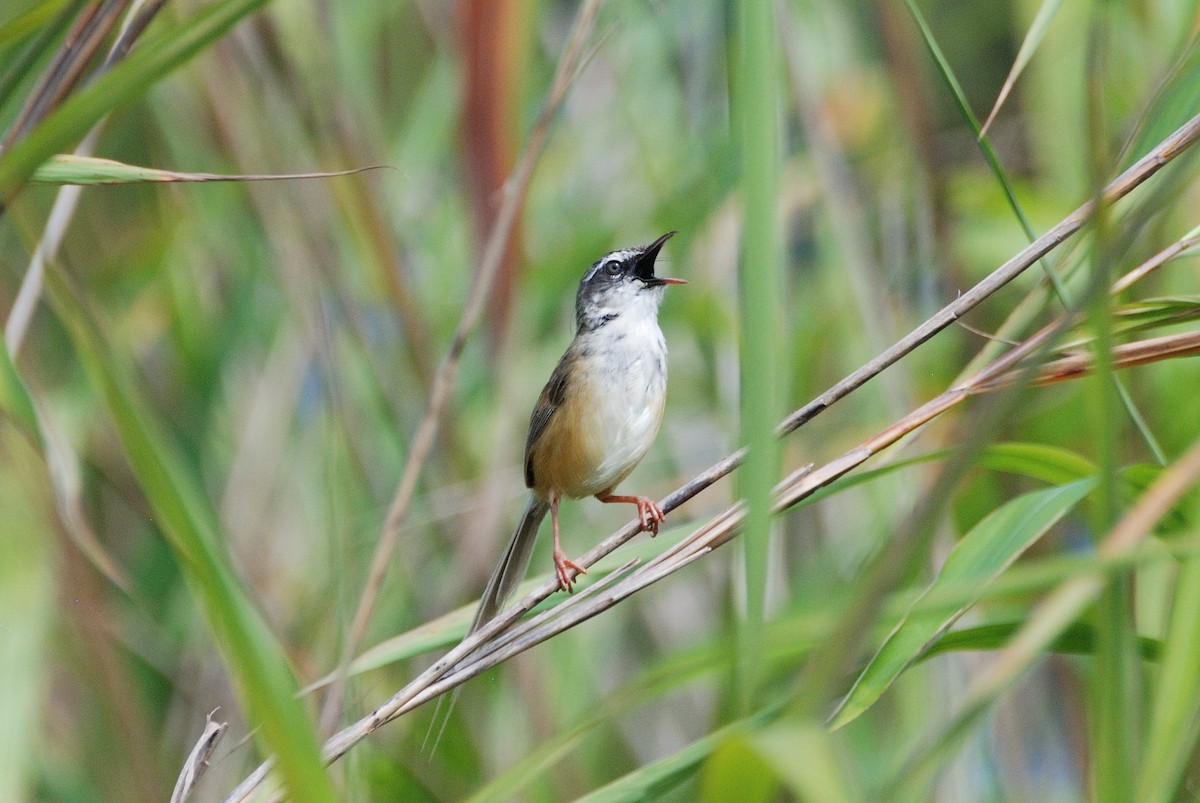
(598, 414)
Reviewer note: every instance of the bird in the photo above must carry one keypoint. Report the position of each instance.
(597, 416)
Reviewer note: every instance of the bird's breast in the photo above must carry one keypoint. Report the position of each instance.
(611, 412)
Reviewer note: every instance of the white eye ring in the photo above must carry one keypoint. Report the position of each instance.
(612, 267)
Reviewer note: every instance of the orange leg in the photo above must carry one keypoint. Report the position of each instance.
(649, 513)
(563, 566)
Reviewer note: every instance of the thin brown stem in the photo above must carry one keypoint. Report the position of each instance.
(1182, 139)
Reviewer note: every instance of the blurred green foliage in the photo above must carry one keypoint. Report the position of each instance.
(204, 425)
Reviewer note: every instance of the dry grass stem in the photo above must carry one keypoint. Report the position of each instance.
(197, 760)
(1180, 140)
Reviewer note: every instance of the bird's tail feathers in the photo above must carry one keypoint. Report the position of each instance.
(504, 580)
(510, 571)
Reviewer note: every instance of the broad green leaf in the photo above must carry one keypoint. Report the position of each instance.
(1050, 464)
(1052, 615)
(981, 555)
(736, 771)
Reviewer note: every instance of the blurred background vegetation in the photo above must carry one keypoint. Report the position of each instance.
(205, 423)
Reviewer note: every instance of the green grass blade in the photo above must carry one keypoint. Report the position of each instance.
(1033, 38)
(981, 555)
(652, 780)
(989, 153)
(146, 65)
(1001, 176)
(256, 661)
(15, 400)
(27, 611)
(44, 22)
(1077, 639)
(756, 123)
(1115, 685)
(1175, 707)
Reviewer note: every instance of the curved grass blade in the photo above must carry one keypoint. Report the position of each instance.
(1078, 639)
(985, 146)
(981, 555)
(15, 400)
(1050, 617)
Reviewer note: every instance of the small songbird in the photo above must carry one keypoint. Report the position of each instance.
(598, 414)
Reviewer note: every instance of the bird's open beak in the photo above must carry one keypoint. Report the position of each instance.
(645, 264)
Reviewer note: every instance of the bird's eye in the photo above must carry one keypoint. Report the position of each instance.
(612, 267)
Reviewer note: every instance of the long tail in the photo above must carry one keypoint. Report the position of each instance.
(511, 569)
(504, 580)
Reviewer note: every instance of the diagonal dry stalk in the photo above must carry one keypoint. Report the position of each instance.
(1180, 140)
(488, 646)
(802, 483)
(501, 640)
(574, 56)
(66, 70)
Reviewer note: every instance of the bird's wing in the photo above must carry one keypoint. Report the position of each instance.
(551, 399)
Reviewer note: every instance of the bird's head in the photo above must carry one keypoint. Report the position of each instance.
(622, 283)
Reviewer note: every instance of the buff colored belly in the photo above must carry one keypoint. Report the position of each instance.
(605, 425)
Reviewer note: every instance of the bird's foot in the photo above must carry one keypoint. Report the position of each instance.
(563, 566)
(650, 514)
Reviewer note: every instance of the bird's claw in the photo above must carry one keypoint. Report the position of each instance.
(563, 566)
(650, 514)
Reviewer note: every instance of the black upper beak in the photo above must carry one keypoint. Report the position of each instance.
(645, 264)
